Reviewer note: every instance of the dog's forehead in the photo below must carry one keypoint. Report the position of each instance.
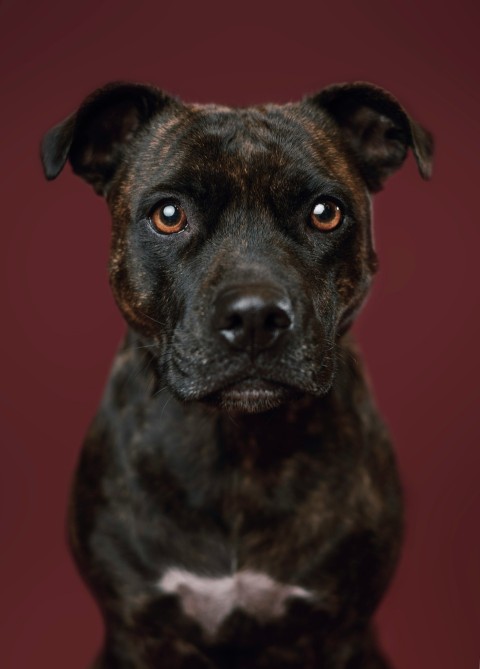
(250, 129)
(268, 141)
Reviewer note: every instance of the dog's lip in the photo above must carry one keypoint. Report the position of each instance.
(250, 395)
(253, 386)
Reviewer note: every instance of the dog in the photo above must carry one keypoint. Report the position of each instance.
(236, 503)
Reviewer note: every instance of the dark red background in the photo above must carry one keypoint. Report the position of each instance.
(419, 331)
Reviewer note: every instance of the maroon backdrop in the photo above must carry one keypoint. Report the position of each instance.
(419, 331)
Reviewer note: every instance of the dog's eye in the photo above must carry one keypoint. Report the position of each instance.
(169, 218)
(326, 215)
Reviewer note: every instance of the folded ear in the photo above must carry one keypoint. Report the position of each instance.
(97, 135)
(376, 129)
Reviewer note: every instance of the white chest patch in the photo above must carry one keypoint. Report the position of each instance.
(210, 600)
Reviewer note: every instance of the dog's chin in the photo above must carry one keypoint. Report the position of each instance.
(251, 396)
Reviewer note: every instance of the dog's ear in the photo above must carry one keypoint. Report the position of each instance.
(96, 136)
(376, 130)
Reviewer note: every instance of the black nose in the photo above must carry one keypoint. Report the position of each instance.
(252, 318)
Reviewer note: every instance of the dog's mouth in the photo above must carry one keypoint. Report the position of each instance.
(231, 382)
(250, 395)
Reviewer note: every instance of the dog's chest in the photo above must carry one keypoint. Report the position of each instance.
(210, 601)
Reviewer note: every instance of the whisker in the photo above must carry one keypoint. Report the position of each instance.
(136, 348)
(138, 369)
(151, 318)
(231, 419)
(159, 391)
(163, 409)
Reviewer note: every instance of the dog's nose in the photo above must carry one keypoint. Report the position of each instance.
(252, 318)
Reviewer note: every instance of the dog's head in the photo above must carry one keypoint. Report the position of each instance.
(241, 244)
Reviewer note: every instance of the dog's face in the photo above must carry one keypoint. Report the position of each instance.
(241, 245)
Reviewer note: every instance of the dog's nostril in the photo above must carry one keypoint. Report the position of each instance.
(277, 320)
(251, 318)
(232, 322)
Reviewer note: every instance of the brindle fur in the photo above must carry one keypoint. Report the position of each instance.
(174, 472)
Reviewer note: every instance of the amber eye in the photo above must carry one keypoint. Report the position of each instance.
(326, 215)
(169, 218)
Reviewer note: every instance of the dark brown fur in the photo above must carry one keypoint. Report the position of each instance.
(239, 469)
